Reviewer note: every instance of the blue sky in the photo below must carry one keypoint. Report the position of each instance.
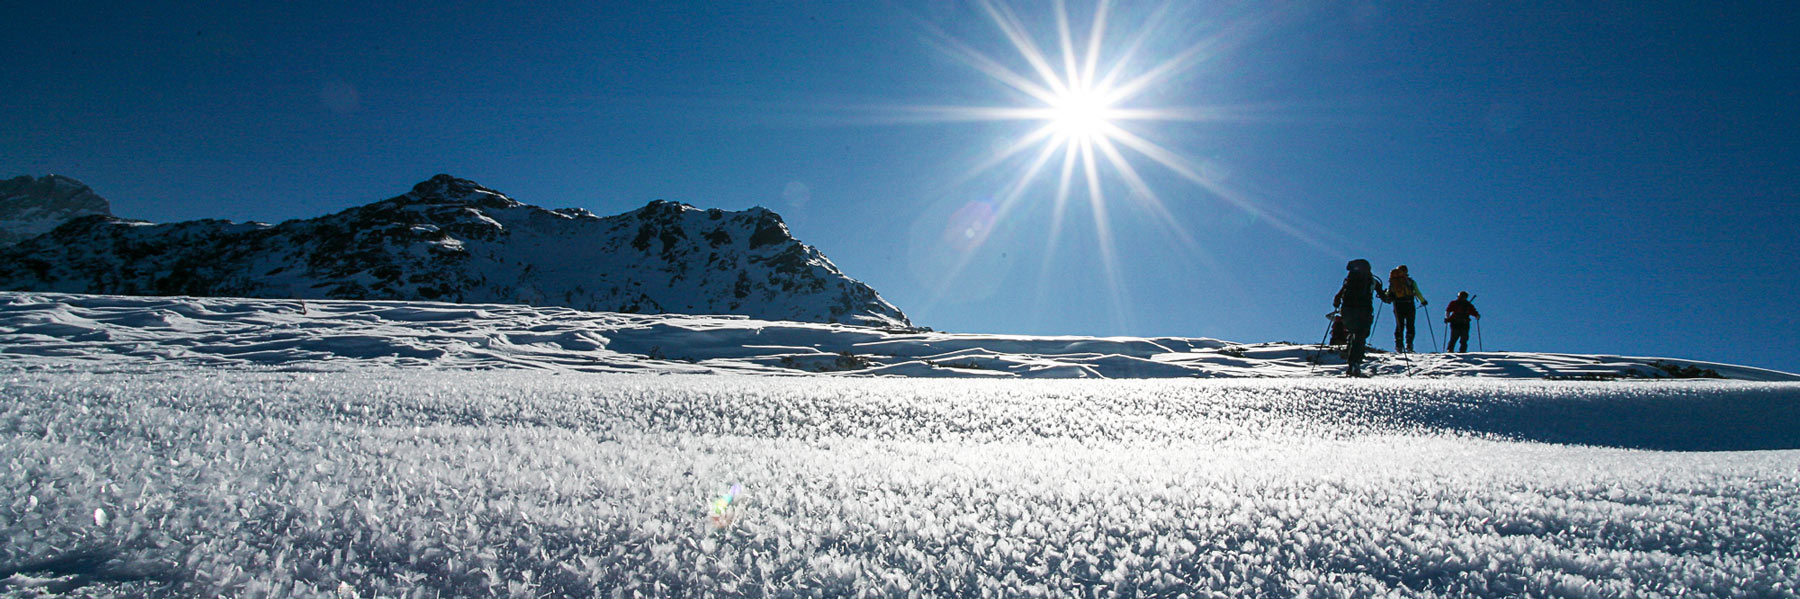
(1615, 178)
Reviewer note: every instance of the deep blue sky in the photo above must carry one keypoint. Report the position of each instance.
(1615, 178)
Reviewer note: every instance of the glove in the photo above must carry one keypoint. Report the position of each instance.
(1423, 303)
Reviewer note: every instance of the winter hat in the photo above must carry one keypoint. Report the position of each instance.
(1357, 264)
(1462, 295)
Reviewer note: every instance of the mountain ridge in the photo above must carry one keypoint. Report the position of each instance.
(451, 239)
(30, 207)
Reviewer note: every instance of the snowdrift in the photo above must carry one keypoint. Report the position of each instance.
(179, 332)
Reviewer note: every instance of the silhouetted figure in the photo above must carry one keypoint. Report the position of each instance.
(1458, 314)
(1356, 300)
(1402, 290)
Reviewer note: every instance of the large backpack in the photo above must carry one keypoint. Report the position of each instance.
(1399, 285)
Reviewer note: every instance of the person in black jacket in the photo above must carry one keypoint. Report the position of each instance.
(1356, 300)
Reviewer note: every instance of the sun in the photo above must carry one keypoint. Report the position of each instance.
(1085, 100)
(1093, 120)
(1080, 114)
(1085, 97)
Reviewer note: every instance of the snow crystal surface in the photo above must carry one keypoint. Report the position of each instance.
(421, 483)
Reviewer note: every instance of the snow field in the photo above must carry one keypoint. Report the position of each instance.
(59, 331)
(414, 483)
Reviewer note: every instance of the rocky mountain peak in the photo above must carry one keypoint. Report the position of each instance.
(662, 210)
(442, 189)
(33, 206)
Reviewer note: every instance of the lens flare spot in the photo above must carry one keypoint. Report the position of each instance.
(969, 226)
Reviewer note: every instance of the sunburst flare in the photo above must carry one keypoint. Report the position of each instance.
(1080, 101)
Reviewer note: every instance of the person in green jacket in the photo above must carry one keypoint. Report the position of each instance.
(1402, 290)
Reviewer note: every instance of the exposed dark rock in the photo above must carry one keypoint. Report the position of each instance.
(32, 207)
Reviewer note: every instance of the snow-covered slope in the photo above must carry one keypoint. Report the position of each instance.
(202, 447)
(32, 207)
(204, 482)
(181, 332)
(452, 240)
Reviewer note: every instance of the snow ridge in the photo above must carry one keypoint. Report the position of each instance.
(180, 332)
(453, 240)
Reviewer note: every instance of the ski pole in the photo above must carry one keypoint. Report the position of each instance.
(1320, 352)
(1375, 326)
(1431, 329)
(1479, 344)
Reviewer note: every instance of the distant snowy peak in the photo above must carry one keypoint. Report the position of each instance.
(451, 239)
(32, 207)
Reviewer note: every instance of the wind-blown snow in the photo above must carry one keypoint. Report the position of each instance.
(180, 332)
(363, 449)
